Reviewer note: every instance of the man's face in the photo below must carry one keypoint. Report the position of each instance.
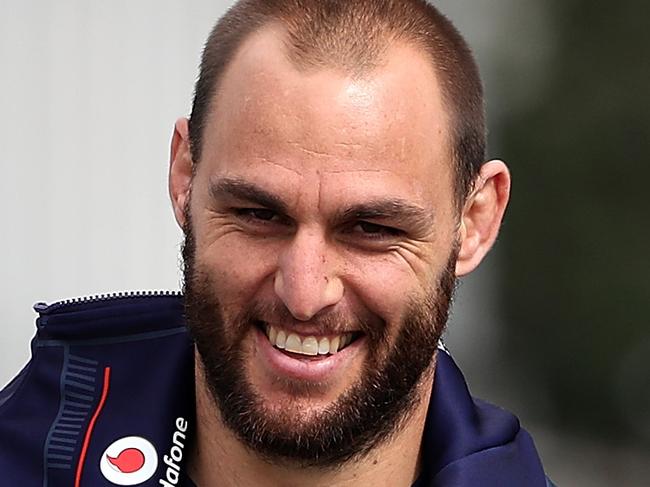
(321, 221)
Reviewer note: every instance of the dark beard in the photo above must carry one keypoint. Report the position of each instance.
(369, 413)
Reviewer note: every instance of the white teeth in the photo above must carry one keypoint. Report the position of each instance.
(281, 339)
(272, 333)
(293, 344)
(323, 346)
(311, 345)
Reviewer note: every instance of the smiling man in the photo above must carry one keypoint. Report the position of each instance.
(331, 184)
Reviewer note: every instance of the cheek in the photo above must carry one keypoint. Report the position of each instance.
(384, 285)
(239, 270)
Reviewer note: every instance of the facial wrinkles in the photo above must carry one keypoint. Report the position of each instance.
(313, 129)
(278, 165)
(312, 211)
(413, 255)
(218, 226)
(316, 195)
(395, 196)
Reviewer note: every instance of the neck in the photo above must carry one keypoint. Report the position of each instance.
(219, 458)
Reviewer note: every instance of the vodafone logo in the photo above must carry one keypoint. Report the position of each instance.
(129, 461)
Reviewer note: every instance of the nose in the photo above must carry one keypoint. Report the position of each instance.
(307, 280)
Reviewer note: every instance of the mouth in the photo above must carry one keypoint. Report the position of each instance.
(307, 357)
(304, 346)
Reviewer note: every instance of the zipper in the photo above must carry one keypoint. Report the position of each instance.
(45, 308)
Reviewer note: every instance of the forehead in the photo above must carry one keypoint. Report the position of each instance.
(268, 112)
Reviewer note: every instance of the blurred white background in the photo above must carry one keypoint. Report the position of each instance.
(89, 92)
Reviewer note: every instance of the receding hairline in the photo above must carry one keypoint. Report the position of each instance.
(391, 48)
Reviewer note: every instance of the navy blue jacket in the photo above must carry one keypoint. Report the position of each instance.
(108, 399)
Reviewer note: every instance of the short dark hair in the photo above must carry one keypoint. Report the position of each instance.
(352, 35)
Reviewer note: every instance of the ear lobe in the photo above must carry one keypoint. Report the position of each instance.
(482, 215)
(180, 170)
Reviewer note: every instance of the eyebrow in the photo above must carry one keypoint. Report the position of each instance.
(246, 191)
(394, 209)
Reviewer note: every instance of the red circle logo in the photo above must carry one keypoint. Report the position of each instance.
(128, 461)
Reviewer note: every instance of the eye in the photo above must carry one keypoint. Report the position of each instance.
(374, 230)
(261, 214)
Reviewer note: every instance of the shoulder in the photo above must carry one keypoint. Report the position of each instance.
(105, 372)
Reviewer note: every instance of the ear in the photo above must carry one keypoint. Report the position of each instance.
(180, 170)
(482, 215)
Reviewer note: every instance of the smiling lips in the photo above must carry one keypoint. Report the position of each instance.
(310, 345)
